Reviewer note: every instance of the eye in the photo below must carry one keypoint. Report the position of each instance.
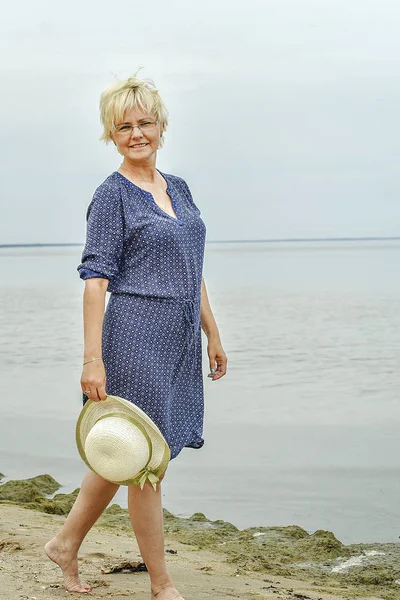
(123, 128)
(146, 124)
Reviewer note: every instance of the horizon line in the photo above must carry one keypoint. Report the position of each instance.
(255, 241)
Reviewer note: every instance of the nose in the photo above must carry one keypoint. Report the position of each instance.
(136, 132)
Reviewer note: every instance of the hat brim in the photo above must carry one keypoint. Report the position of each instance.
(93, 411)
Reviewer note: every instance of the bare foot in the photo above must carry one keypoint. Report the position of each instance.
(167, 593)
(68, 564)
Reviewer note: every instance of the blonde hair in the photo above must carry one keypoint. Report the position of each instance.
(130, 93)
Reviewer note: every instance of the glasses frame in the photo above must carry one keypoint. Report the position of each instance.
(132, 128)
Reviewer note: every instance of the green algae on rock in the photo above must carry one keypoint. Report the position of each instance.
(19, 491)
(375, 575)
(168, 516)
(116, 517)
(45, 483)
(60, 504)
(293, 531)
(32, 494)
(289, 552)
(258, 548)
(198, 517)
(28, 490)
(322, 545)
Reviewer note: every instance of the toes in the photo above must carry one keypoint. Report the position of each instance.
(79, 588)
(82, 588)
(166, 596)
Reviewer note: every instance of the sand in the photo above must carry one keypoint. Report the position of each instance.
(207, 559)
(25, 571)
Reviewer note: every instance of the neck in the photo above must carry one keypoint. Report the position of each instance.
(143, 172)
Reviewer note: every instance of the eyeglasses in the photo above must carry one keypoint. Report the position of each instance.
(125, 129)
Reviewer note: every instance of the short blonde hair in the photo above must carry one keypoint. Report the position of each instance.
(130, 93)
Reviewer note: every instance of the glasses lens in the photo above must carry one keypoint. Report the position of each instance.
(127, 129)
(146, 125)
(124, 130)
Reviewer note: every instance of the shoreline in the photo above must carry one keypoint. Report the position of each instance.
(263, 562)
(287, 240)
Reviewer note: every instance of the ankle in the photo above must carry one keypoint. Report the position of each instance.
(161, 584)
(66, 544)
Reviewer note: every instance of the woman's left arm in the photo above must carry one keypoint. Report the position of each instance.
(216, 354)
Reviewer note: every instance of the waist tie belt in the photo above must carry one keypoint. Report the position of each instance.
(188, 355)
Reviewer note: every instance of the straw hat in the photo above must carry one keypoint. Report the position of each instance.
(119, 442)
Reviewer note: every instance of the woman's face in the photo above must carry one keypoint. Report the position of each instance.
(137, 145)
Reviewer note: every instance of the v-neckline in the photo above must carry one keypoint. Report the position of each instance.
(177, 219)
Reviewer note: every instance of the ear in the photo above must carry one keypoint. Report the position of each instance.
(112, 138)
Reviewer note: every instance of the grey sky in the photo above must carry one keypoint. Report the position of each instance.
(283, 113)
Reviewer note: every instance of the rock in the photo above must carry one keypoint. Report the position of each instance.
(115, 516)
(115, 509)
(372, 575)
(321, 546)
(168, 516)
(61, 504)
(292, 531)
(20, 491)
(45, 483)
(28, 490)
(198, 517)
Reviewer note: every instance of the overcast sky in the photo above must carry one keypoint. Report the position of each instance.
(284, 114)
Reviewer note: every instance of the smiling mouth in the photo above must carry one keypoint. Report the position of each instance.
(138, 145)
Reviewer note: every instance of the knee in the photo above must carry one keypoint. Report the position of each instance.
(161, 477)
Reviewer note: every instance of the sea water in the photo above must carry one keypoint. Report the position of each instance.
(303, 429)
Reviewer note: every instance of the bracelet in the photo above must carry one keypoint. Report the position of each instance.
(91, 360)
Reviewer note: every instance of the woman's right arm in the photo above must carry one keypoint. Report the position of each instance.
(101, 259)
(93, 373)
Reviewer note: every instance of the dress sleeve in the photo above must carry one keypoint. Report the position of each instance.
(102, 253)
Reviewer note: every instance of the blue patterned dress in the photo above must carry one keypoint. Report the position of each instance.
(151, 329)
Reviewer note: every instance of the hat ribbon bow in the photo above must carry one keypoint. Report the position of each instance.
(150, 477)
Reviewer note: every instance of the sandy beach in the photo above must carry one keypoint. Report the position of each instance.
(25, 572)
(207, 559)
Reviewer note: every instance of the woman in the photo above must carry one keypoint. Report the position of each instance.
(145, 245)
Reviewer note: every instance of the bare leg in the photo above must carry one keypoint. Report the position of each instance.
(146, 515)
(94, 496)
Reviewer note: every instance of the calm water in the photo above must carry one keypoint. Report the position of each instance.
(305, 427)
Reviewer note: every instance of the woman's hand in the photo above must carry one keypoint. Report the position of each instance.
(217, 358)
(93, 381)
